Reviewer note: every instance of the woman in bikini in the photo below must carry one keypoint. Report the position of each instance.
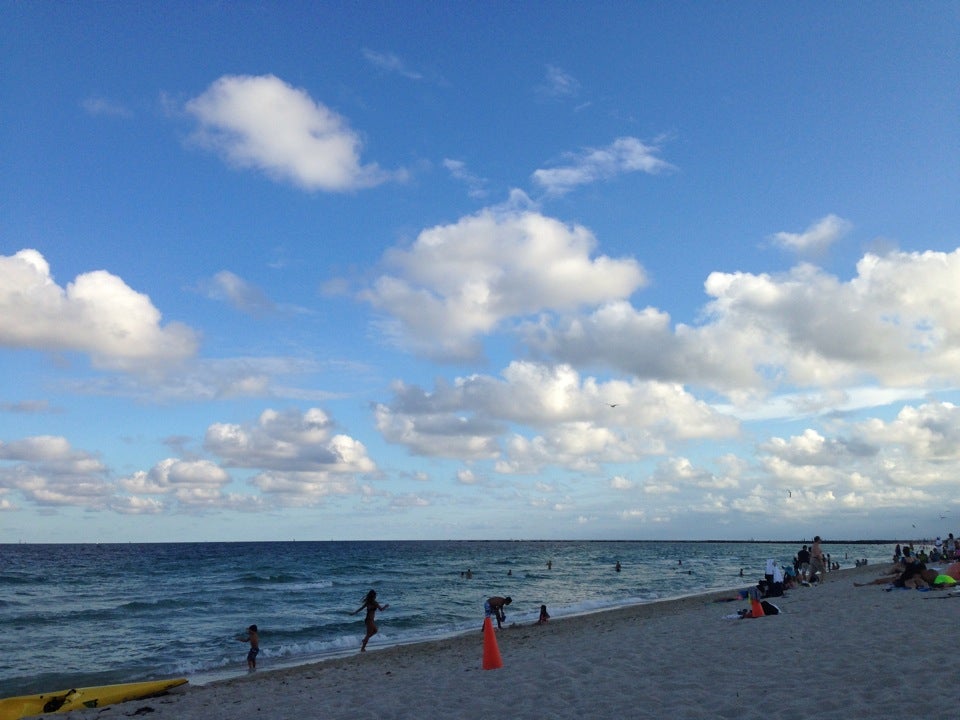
(371, 605)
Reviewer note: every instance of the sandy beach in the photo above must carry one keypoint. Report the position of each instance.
(835, 651)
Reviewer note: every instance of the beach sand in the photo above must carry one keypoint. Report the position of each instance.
(835, 651)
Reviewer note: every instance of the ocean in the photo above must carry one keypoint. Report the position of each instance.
(79, 615)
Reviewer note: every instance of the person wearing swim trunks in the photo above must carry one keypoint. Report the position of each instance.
(818, 567)
(252, 637)
(494, 606)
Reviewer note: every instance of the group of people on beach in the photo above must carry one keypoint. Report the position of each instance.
(910, 570)
(811, 564)
(943, 550)
(493, 608)
(809, 567)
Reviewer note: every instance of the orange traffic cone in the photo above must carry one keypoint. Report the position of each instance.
(756, 609)
(491, 653)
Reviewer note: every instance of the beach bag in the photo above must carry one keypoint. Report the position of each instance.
(769, 608)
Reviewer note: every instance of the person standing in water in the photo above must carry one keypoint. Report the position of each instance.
(371, 605)
(252, 636)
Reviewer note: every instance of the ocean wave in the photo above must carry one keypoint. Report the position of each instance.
(121, 610)
(9, 578)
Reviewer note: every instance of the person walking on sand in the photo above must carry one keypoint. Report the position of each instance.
(252, 636)
(371, 605)
(494, 606)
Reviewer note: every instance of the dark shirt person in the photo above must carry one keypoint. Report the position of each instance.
(494, 606)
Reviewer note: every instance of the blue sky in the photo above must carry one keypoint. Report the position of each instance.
(479, 270)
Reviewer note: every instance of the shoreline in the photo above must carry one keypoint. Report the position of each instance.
(667, 604)
(834, 651)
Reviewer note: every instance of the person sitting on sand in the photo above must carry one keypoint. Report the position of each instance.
(544, 615)
(252, 636)
(494, 606)
(371, 605)
(914, 577)
(789, 577)
(953, 571)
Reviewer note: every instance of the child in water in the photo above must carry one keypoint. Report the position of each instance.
(252, 637)
(544, 615)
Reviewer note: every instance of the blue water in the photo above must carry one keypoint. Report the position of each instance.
(75, 615)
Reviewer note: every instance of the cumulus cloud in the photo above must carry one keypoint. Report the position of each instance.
(571, 419)
(261, 122)
(46, 470)
(873, 464)
(459, 281)
(300, 457)
(816, 238)
(296, 457)
(895, 324)
(624, 155)
(97, 314)
(193, 483)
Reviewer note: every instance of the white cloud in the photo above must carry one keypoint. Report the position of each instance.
(460, 281)
(193, 483)
(896, 324)
(97, 314)
(391, 63)
(288, 440)
(816, 238)
(930, 432)
(239, 293)
(624, 155)
(871, 464)
(300, 458)
(102, 107)
(573, 426)
(264, 123)
(49, 472)
(218, 379)
(476, 186)
(559, 84)
(809, 449)
(466, 477)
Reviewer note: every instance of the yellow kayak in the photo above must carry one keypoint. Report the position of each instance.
(79, 698)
